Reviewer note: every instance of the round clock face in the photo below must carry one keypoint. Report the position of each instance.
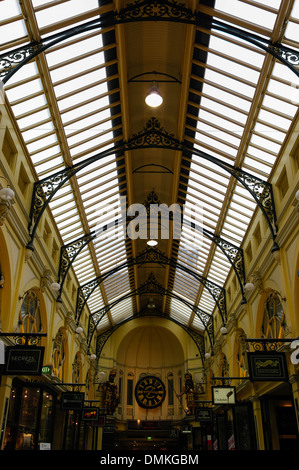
(150, 392)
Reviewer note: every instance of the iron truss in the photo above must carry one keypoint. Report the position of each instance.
(69, 252)
(151, 255)
(151, 286)
(153, 135)
(196, 337)
(145, 10)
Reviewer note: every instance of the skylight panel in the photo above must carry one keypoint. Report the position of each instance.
(229, 83)
(76, 49)
(12, 31)
(247, 12)
(122, 311)
(39, 144)
(227, 105)
(84, 80)
(23, 90)
(63, 11)
(197, 323)
(233, 69)
(10, 9)
(77, 111)
(30, 104)
(34, 119)
(179, 311)
(237, 51)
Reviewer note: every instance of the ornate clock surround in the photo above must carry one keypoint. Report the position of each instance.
(150, 392)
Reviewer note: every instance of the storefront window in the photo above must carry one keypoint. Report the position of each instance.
(30, 417)
(46, 419)
(26, 433)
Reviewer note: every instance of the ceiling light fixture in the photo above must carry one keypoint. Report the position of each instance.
(152, 242)
(154, 98)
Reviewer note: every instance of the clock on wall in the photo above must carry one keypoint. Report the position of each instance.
(150, 392)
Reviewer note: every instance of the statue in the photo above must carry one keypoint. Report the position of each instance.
(189, 391)
(111, 397)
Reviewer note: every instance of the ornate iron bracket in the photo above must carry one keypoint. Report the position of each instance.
(152, 255)
(25, 338)
(146, 10)
(268, 344)
(151, 286)
(196, 337)
(152, 136)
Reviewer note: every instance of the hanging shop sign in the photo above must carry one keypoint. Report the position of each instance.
(100, 421)
(72, 401)
(222, 395)
(20, 360)
(267, 365)
(203, 414)
(90, 414)
(186, 429)
(173, 433)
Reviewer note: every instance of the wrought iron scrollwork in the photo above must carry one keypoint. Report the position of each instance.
(154, 9)
(14, 58)
(153, 135)
(150, 255)
(105, 335)
(153, 287)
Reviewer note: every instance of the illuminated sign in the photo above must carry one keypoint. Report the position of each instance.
(90, 414)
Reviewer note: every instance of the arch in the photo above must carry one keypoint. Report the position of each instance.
(151, 286)
(275, 330)
(150, 346)
(69, 253)
(60, 354)
(152, 136)
(144, 10)
(5, 282)
(239, 352)
(151, 255)
(196, 337)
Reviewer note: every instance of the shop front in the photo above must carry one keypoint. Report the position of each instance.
(30, 417)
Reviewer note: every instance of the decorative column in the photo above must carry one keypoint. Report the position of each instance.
(5, 391)
(257, 415)
(294, 381)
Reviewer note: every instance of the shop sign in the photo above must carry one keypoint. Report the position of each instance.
(222, 395)
(109, 429)
(72, 400)
(186, 429)
(100, 421)
(90, 414)
(173, 433)
(203, 414)
(267, 365)
(21, 360)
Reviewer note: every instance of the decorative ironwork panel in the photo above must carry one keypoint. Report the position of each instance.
(153, 135)
(155, 10)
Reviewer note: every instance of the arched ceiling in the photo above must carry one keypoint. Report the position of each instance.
(223, 96)
(150, 346)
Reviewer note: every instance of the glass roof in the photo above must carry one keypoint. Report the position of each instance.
(67, 105)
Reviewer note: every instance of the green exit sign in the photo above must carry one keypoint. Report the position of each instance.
(46, 369)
